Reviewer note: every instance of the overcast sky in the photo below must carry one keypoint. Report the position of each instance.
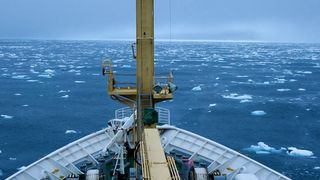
(255, 20)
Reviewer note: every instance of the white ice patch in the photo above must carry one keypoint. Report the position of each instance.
(126, 66)
(80, 82)
(17, 94)
(258, 113)
(21, 168)
(301, 89)
(12, 158)
(262, 148)
(25, 105)
(237, 97)
(49, 71)
(283, 90)
(63, 91)
(304, 72)
(245, 101)
(293, 151)
(45, 75)
(197, 88)
(65, 96)
(317, 168)
(212, 105)
(32, 80)
(6, 116)
(19, 77)
(70, 131)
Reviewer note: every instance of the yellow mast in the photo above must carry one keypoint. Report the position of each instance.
(144, 96)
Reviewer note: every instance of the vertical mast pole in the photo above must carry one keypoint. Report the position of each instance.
(145, 59)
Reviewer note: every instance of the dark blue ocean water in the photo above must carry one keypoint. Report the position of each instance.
(48, 87)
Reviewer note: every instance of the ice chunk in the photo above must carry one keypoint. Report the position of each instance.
(70, 131)
(12, 158)
(197, 88)
(293, 151)
(283, 90)
(17, 94)
(21, 168)
(25, 105)
(237, 97)
(49, 71)
(301, 89)
(262, 148)
(65, 96)
(20, 77)
(245, 101)
(317, 168)
(212, 105)
(80, 82)
(258, 113)
(6, 116)
(32, 80)
(45, 75)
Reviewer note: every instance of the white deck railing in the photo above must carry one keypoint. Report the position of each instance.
(163, 114)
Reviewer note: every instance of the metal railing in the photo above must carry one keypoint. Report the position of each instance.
(163, 114)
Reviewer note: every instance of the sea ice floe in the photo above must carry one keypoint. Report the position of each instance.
(301, 89)
(6, 116)
(45, 75)
(317, 168)
(197, 88)
(63, 91)
(283, 90)
(65, 96)
(12, 158)
(49, 71)
(70, 131)
(212, 105)
(17, 94)
(262, 148)
(21, 168)
(80, 82)
(25, 105)
(237, 97)
(19, 77)
(304, 72)
(258, 113)
(293, 151)
(32, 80)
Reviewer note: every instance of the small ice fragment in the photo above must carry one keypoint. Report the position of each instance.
(293, 151)
(32, 80)
(258, 113)
(80, 82)
(12, 158)
(301, 89)
(6, 116)
(21, 168)
(197, 88)
(212, 105)
(283, 90)
(237, 97)
(49, 71)
(17, 94)
(317, 168)
(25, 105)
(65, 96)
(70, 131)
(245, 101)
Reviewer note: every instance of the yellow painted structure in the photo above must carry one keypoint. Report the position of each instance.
(144, 95)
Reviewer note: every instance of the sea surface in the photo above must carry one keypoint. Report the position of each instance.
(261, 99)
